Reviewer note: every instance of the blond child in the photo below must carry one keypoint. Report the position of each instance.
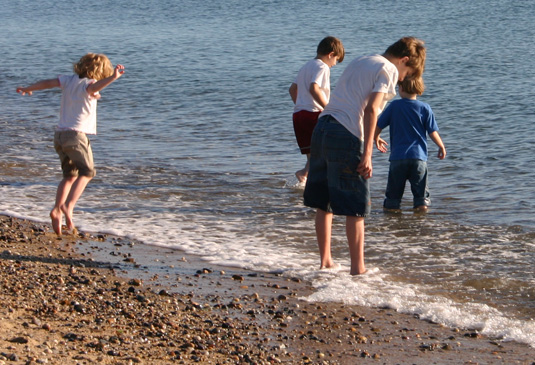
(80, 92)
(310, 93)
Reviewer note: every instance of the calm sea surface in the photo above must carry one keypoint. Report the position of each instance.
(196, 149)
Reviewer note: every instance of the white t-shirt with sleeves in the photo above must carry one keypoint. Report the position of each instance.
(78, 109)
(314, 71)
(363, 76)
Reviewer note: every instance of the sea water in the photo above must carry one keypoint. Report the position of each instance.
(195, 147)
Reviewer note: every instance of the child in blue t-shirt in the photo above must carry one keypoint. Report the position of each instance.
(410, 122)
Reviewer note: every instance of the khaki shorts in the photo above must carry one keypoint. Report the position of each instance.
(75, 154)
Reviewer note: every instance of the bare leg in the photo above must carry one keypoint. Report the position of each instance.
(355, 240)
(324, 222)
(75, 193)
(302, 174)
(62, 192)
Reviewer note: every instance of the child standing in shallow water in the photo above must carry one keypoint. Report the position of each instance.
(310, 93)
(78, 118)
(410, 121)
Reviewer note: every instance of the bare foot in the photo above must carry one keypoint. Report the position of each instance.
(332, 266)
(56, 215)
(301, 176)
(68, 217)
(359, 272)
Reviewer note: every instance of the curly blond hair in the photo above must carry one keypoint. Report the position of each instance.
(93, 66)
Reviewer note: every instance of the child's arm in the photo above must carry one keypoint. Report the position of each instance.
(293, 92)
(101, 84)
(39, 85)
(318, 95)
(379, 142)
(438, 141)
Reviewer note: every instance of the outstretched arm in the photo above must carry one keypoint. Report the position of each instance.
(39, 85)
(101, 84)
(438, 141)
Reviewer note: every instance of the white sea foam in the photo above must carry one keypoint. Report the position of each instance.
(374, 290)
(293, 183)
(222, 242)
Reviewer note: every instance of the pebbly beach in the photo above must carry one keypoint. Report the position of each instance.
(100, 299)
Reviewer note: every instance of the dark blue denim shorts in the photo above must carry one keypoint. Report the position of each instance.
(413, 170)
(333, 183)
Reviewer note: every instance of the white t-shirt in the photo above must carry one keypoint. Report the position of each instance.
(363, 76)
(314, 71)
(78, 109)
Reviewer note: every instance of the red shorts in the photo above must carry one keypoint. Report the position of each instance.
(304, 123)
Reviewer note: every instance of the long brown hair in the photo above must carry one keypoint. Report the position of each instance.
(414, 49)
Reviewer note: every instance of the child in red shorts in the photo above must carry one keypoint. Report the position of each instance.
(310, 93)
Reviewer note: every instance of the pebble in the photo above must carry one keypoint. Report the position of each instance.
(19, 340)
(88, 315)
(135, 282)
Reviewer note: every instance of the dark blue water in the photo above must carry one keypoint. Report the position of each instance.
(195, 147)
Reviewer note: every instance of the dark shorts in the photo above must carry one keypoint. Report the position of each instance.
(304, 124)
(75, 154)
(413, 170)
(333, 183)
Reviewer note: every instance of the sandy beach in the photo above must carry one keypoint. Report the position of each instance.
(100, 299)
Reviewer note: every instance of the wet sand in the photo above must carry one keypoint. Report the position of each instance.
(100, 299)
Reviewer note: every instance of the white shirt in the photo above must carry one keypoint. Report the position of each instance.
(363, 76)
(314, 71)
(78, 109)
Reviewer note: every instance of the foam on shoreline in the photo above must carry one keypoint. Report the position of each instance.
(263, 310)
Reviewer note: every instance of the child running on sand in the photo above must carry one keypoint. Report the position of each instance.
(79, 96)
(310, 93)
(342, 144)
(410, 121)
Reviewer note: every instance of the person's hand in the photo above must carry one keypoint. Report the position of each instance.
(23, 91)
(381, 145)
(118, 71)
(441, 153)
(365, 167)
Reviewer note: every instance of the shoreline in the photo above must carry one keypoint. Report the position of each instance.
(104, 299)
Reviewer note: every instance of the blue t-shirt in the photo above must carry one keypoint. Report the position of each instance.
(410, 121)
